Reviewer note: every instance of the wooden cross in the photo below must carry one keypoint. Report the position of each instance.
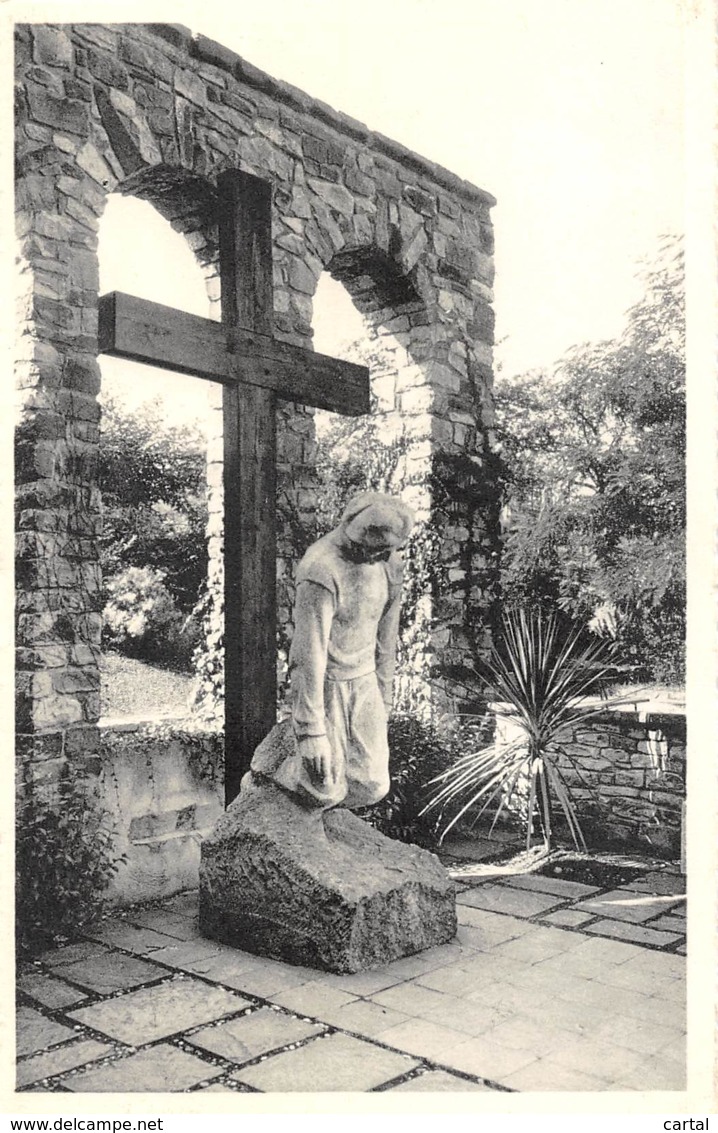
(254, 369)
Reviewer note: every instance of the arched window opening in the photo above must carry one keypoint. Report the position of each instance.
(153, 479)
(365, 311)
(355, 451)
(360, 314)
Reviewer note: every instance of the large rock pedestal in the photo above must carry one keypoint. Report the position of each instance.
(320, 888)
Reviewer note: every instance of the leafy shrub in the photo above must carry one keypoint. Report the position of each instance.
(64, 863)
(141, 619)
(418, 752)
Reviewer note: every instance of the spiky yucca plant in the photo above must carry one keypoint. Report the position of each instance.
(542, 674)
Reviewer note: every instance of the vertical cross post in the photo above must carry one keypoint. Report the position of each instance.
(255, 369)
(245, 253)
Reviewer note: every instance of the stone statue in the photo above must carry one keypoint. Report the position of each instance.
(342, 658)
(289, 871)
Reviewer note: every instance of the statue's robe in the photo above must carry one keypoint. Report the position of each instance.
(341, 663)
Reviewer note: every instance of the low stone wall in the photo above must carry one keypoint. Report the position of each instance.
(163, 790)
(627, 773)
(626, 770)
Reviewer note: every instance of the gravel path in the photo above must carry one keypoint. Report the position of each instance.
(131, 687)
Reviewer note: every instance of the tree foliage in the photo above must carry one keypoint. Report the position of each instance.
(153, 483)
(594, 456)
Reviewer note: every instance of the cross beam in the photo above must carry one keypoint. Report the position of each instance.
(254, 369)
(188, 344)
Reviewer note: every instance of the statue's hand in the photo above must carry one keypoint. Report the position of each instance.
(316, 752)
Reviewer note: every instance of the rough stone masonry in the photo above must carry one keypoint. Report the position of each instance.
(157, 112)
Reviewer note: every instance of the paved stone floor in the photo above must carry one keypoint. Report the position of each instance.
(549, 985)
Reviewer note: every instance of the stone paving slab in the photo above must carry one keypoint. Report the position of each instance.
(265, 984)
(241, 1040)
(422, 1038)
(568, 918)
(639, 933)
(410, 998)
(463, 1015)
(363, 1017)
(558, 970)
(224, 965)
(364, 983)
(112, 971)
(468, 975)
(631, 1004)
(557, 886)
(35, 1032)
(58, 1061)
(579, 963)
(647, 1037)
(574, 1019)
(625, 905)
(504, 899)
(159, 1069)
(491, 965)
(453, 980)
(472, 940)
(71, 953)
(676, 1051)
(152, 1013)
(654, 1074)
(671, 922)
(277, 967)
(538, 1077)
(167, 922)
(528, 1033)
(493, 927)
(604, 1060)
(584, 992)
(539, 945)
(133, 938)
(509, 998)
(549, 987)
(664, 884)
(49, 991)
(650, 1010)
(184, 903)
(312, 998)
(486, 1059)
(338, 1062)
(430, 959)
(664, 965)
(611, 952)
(189, 954)
(437, 1082)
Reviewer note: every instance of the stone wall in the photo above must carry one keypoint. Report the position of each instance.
(163, 790)
(627, 772)
(154, 111)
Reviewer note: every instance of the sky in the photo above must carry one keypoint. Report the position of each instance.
(570, 112)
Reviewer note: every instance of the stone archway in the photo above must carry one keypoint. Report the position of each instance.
(156, 111)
